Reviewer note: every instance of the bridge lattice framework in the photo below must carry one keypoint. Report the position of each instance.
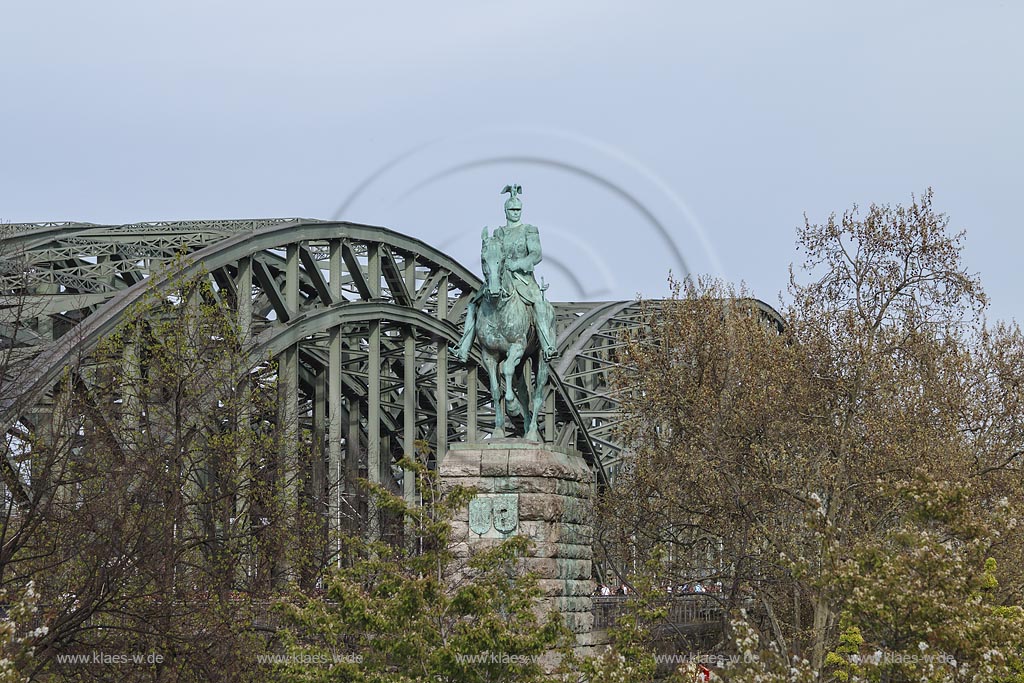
(358, 318)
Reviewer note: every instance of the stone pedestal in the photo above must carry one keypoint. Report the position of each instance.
(532, 489)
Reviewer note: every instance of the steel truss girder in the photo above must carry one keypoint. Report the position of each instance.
(307, 282)
(329, 290)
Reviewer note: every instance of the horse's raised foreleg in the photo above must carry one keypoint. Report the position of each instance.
(491, 363)
(539, 381)
(512, 360)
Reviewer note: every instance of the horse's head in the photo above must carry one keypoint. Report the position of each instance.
(492, 258)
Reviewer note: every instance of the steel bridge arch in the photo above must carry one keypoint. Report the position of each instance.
(305, 279)
(590, 336)
(207, 251)
(322, 295)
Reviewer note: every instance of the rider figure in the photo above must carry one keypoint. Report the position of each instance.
(521, 248)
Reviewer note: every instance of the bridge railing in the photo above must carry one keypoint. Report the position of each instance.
(683, 610)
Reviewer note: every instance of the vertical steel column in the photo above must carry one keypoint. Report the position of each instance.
(335, 478)
(549, 412)
(317, 488)
(195, 466)
(442, 374)
(288, 377)
(353, 456)
(409, 392)
(588, 379)
(471, 403)
(373, 459)
(44, 323)
(130, 404)
(52, 435)
(243, 287)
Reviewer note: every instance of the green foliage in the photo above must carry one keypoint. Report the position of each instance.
(861, 459)
(144, 479)
(423, 611)
(16, 637)
(924, 595)
(755, 662)
(843, 662)
(630, 654)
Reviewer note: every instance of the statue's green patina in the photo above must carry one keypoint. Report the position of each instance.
(511, 316)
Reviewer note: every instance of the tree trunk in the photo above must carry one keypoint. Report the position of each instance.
(820, 630)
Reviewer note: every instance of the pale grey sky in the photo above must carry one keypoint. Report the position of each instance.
(698, 132)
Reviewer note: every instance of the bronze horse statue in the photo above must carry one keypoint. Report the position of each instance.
(505, 329)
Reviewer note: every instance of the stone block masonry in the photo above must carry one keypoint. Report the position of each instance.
(535, 490)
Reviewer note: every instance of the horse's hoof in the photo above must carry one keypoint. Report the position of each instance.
(533, 435)
(513, 409)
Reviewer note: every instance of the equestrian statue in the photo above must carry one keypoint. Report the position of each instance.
(511, 318)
